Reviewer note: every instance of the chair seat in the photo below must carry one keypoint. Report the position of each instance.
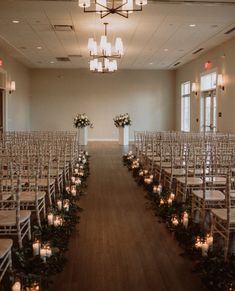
(175, 172)
(8, 217)
(210, 195)
(164, 164)
(222, 214)
(191, 181)
(29, 196)
(216, 180)
(5, 246)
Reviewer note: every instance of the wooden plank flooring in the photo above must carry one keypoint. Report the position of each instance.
(119, 245)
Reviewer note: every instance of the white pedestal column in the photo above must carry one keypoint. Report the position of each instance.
(82, 135)
(123, 135)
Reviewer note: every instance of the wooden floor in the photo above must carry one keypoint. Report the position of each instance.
(119, 244)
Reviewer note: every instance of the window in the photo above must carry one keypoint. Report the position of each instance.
(185, 106)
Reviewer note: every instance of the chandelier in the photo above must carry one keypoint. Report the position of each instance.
(106, 7)
(104, 54)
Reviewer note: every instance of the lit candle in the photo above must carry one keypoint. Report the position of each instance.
(48, 251)
(58, 221)
(36, 248)
(145, 172)
(159, 188)
(73, 179)
(147, 180)
(16, 286)
(81, 167)
(209, 240)
(78, 181)
(172, 196)
(161, 201)
(130, 153)
(66, 205)
(169, 201)
(155, 188)
(175, 221)
(76, 171)
(50, 218)
(81, 173)
(86, 153)
(67, 189)
(84, 161)
(205, 247)
(59, 204)
(198, 243)
(185, 219)
(77, 165)
(141, 173)
(74, 191)
(43, 253)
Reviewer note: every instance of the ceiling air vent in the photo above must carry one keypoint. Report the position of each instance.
(63, 59)
(176, 64)
(63, 27)
(230, 30)
(197, 51)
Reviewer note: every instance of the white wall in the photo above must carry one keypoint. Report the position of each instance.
(223, 59)
(18, 103)
(58, 95)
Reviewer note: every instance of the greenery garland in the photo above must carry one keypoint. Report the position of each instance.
(216, 274)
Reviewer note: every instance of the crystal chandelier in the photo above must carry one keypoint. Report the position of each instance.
(104, 54)
(106, 7)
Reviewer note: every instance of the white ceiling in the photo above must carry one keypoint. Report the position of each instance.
(146, 35)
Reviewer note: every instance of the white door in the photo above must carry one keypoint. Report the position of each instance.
(208, 111)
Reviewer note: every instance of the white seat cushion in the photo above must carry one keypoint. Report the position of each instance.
(29, 196)
(210, 195)
(8, 217)
(222, 214)
(5, 246)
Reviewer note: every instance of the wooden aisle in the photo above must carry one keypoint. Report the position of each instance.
(119, 245)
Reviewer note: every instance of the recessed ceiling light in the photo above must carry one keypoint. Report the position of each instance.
(15, 21)
(39, 47)
(192, 25)
(166, 49)
(52, 62)
(151, 63)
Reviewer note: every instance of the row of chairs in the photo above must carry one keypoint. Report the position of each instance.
(198, 168)
(34, 167)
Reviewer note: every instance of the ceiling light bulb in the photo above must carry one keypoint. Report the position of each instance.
(166, 50)
(15, 21)
(100, 6)
(119, 46)
(108, 49)
(103, 42)
(100, 67)
(90, 44)
(39, 47)
(192, 25)
(84, 3)
(128, 5)
(114, 65)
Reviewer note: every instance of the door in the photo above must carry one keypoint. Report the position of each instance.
(1, 110)
(208, 111)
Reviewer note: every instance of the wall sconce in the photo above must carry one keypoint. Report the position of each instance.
(194, 88)
(12, 87)
(220, 81)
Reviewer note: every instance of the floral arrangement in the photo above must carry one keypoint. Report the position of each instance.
(81, 120)
(122, 120)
